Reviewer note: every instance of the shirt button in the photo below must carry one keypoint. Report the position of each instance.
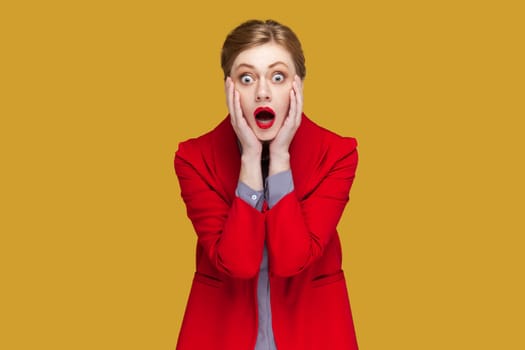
(254, 197)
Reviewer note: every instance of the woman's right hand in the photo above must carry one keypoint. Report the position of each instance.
(251, 173)
(251, 146)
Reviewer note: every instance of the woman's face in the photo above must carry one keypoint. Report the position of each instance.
(263, 75)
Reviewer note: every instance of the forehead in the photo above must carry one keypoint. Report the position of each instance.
(263, 56)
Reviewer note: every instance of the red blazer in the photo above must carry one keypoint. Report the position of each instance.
(309, 300)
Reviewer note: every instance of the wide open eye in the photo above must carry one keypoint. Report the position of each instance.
(246, 79)
(278, 77)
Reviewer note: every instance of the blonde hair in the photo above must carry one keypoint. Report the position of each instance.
(254, 33)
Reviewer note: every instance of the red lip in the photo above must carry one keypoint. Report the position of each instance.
(264, 117)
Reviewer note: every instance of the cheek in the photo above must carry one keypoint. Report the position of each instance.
(284, 101)
(245, 107)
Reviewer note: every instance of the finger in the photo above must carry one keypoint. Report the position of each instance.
(293, 107)
(299, 90)
(226, 86)
(227, 90)
(231, 103)
(299, 100)
(237, 106)
(300, 83)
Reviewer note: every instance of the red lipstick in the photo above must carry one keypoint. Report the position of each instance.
(264, 117)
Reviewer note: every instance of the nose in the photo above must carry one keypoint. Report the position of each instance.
(263, 91)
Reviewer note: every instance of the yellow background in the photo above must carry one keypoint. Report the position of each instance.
(96, 251)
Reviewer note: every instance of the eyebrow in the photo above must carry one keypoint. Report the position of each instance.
(252, 67)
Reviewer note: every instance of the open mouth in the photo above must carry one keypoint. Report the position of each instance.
(264, 117)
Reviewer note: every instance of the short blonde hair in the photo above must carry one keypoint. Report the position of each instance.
(254, 33)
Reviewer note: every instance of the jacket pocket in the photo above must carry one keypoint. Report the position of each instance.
(207, 279)
(327, 279)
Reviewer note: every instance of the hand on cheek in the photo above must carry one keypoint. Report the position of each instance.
(291, 123)
(279, 155)
(249, 142)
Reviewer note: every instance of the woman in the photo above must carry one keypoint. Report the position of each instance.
(265, 190)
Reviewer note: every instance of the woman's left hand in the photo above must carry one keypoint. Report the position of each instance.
(291, 123)
(279, 156)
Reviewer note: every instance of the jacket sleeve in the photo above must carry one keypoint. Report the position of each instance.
(298, 229)
(231, 233)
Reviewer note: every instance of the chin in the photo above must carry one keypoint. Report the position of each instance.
(266, 136)
(265, 139)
